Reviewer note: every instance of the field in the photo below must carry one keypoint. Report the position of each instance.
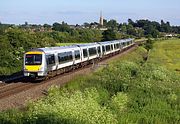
(129, 90)
(166, 53)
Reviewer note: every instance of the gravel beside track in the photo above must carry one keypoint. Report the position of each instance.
(2, 84)
(18, 94)
(7, 90)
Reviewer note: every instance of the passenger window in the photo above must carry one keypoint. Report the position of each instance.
(117, 46)
(85, 53)
(65, 57)
(108, 48)
(92, 51)
(50, 59)
(103, 49)
(99, 50)
(77, 54)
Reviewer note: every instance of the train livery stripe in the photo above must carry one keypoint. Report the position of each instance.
(34, 52)
(33, 68)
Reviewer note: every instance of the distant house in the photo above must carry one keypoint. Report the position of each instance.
(103, 29)
(170, 35)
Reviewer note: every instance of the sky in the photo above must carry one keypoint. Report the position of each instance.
(80, 11)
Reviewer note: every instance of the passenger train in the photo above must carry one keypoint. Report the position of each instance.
(50, 61)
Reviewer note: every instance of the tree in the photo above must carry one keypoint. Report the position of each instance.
(47, 26)
(87, 25)
(109, 35)
(139, 32)
(165, 27)
(149, 44)
(123, 28)
(26, 23)
(131, 22)
(112, 24)
(131, 30)
(64, 27)
(151, 30)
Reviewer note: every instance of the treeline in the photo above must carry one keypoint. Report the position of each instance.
(16, 39)
(143, 28)
(64, 33)
(14, 42)
(112, 30)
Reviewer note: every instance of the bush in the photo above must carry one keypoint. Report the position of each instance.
(76, 108)
(11, 117)
(149, 44)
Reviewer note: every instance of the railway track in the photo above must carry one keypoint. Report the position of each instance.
(2, 84)
(14, 88)
(22, 84)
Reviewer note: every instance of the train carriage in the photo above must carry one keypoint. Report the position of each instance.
(41, 61)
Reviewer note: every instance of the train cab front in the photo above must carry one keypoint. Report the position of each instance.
(33, 64)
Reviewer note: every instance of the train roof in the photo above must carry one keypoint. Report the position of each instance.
(87, 44)
(126, 40)
(76, 46)
(50, 49)
(105, 42)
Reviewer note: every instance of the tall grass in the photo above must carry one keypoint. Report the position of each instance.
(166, 53)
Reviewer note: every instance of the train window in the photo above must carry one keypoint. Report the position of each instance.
(92, 51)
(99, 50)
(108, 48)
(33, 59)
(117, 46)
(85, 54)
(65, 57)
(103, 49)
(77, 54)
(50, 59)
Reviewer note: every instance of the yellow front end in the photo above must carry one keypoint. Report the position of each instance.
(31, 67)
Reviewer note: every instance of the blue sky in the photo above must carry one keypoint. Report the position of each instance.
(80, 11)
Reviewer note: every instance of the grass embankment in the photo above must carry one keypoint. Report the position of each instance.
(127, 91)
(166, 53)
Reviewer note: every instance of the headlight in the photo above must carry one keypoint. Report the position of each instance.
(25, 69)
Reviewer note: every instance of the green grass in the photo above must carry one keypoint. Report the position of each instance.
(142, 39)
(136, 56)
(166, 53)
(129, 90)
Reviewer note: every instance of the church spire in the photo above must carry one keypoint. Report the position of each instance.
(101, 19)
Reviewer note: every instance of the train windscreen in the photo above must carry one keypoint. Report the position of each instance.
(33, 59)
